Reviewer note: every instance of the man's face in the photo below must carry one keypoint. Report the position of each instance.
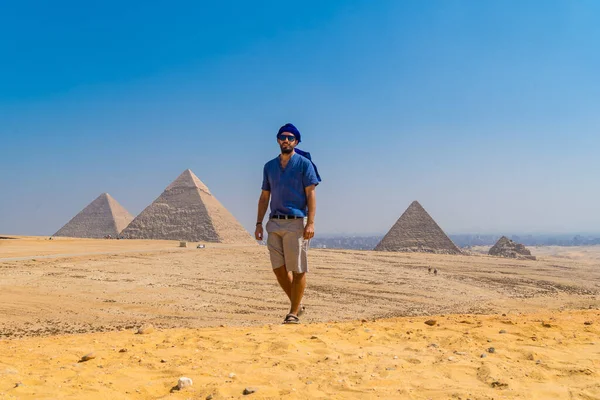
(287, 142)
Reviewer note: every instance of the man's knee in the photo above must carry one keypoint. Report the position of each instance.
(280, 270)
(298, 275)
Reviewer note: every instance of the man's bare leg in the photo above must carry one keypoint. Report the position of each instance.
(285, 280)
(298, 286)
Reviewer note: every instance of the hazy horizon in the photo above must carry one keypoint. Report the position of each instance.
(484, 112)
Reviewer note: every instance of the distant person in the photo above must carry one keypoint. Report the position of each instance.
(289, 181)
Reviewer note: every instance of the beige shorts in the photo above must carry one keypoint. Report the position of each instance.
(287, 245)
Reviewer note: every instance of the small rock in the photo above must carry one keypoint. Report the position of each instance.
(538, 362)
(504, 315)
(434, 345)
(163, 361)
(460, 353)
(450, 358)
(145, 329)
(18, 384)
(209, 397)
(231, 375)
(489, 340)
(431, 322)
(588, 323)
(314, 337)
(491, 350)
(184, 382)
(390, 369)
(546, 325)
(123, 351)
(249, 390)
(483, 355)
(395, 357)
(502, 331)
(88, 356)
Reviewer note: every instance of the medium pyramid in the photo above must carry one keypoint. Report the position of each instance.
(416, 231)
(187, 211)
(103, 216)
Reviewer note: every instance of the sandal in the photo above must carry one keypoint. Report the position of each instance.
(291, 319)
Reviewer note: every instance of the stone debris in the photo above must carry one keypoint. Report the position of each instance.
(249, 390)
(88, 356)
(431, 322)
(184, 382)
(145, 329)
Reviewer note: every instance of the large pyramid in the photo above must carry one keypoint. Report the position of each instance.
(102, 217)
(416, 231)
(187, 211)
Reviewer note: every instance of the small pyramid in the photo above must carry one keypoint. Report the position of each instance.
(103, 216)
(505, 247)
(187, 211)
(416, 231)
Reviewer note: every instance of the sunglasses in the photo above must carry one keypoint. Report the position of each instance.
(289, 138)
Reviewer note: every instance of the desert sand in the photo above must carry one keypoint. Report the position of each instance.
(216, 314)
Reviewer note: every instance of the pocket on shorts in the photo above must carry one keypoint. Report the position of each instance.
(299, 225)
(269, 226)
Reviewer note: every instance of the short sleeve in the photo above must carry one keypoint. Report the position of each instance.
(309, 176)
(266, 185)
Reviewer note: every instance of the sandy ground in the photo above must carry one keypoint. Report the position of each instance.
(547, 356)
(343, 349)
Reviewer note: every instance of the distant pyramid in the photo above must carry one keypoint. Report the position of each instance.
(505, 247)
(102, 217)
(416, 231)
(187, 211)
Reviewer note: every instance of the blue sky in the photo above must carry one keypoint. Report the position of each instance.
(485, 112)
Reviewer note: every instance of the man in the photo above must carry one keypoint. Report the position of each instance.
(289, 180)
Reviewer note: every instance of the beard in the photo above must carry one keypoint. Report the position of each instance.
(286, 149)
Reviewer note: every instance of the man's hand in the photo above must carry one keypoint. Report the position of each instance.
(309, 231)
(258, 232)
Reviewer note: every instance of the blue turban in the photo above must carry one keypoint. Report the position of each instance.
(293, 130)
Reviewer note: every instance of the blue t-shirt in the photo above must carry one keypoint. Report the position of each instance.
(287, 185)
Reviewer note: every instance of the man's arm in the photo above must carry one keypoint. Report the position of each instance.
(311, 201)
(263, 204)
